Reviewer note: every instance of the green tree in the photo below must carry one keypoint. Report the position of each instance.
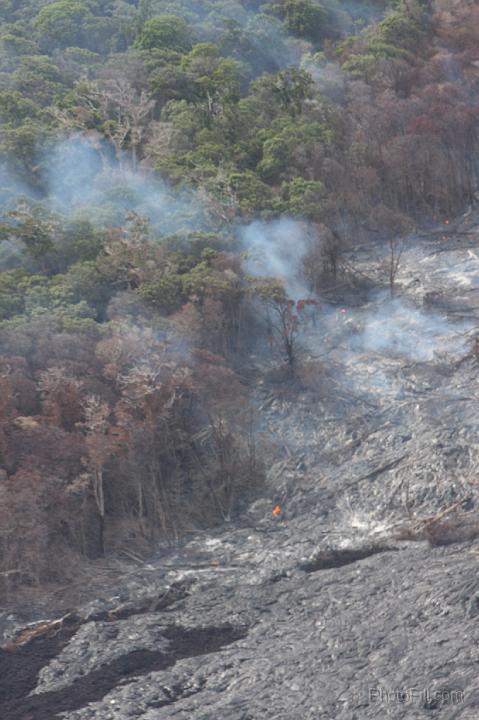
(39, 79)
(84, 282)
(289, 152)
(164, 31)
(35, 228)
(302, 198)
(163, 294)
(21, 147)
(15, 108)
(62, 23)
(252, 194)
(288, 89)
(302, 17)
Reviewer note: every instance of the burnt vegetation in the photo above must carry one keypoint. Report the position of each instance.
(133, 145)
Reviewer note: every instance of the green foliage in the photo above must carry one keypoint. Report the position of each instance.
(304, 18)
(28, 294)
(171, 83)
(81, 241)
(84, 283)
(288, 89)
(198, 280)
(399, 29)
(163, 294)
(49, 240)
(291, 142)
(16, 40)
(34, 227)
(39, 79)
(73, 23)
(400, 35)
(15, 108)
(21, 145)
(252, 194)
(362, 66)
(189, 247)
(302, 198)
(14, 287)
(183, 115)
(164, 31)
(63, 23)
(269, 290)
(201, 60)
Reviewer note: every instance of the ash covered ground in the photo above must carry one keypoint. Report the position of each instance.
(361, 597)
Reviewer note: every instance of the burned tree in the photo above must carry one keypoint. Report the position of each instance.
(100, 446)
(392, 227)
(283, 318)
(124, 111)
(321, 263)
(396, 248)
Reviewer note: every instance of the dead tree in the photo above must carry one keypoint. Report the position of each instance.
(396, 248)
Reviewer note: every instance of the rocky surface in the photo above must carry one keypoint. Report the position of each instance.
(361, 597)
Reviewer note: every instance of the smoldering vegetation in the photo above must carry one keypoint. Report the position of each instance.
(201, 205)
(149, 428)
(276, 249)
(162, 414)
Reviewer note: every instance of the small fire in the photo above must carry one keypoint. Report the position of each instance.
(446, 222)
(276, 511)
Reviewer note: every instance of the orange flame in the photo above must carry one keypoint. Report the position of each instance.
(276, 511)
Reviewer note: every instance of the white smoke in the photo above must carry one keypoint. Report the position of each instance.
(83, 175)
(396, 329)
(275, 249)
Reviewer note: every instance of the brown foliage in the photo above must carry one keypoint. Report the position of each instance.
(166, 444)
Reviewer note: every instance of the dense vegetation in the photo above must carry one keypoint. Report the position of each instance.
(138, 140)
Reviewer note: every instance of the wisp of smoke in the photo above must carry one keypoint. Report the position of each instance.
(11, 189)
(394, 328)
(328, 77)
(275, 249)
(81, 174)
(71, 170)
